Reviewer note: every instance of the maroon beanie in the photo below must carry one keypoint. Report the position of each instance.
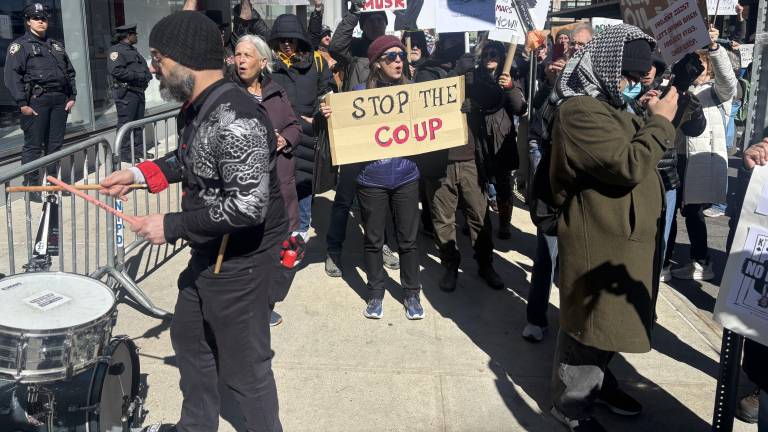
(381, 44)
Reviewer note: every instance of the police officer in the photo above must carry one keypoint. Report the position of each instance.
(41, 79)
(130, 77)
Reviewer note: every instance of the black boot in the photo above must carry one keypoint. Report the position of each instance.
(489, 275)
(449, 279)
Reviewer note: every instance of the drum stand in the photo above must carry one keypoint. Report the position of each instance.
(132, 291)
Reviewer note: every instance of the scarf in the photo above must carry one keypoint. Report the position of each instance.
(596, 70)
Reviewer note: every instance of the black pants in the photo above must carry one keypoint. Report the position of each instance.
(694, 223)
(130, 107)
(220, 331)
(375, 206)
(579, 373)
(460, 186)
(44, 132)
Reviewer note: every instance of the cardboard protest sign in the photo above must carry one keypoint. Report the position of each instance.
(679, 29)
(599, 24)
(745, 52)
(510, 26)
(742, 303)
(726, 7)
(465, 16)
(639, 12)
(384, 5)
(397, 121)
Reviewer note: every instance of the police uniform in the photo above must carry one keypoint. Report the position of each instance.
(130, 77)
(38, 74)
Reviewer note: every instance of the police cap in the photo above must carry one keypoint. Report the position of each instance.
(36, 10)
(126, 29)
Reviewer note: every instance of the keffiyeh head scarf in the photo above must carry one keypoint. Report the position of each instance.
(596, 70)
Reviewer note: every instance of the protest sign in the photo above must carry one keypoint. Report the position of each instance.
(745, 52)
(418, 14)
(639, 12)
(599, 24)
(679, 29)
(281, 2)
(726, 7)
(510, 25)
(742, 303)
(465, 16)
(397, 121)
(383, 5)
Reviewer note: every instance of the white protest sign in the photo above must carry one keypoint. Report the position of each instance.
(599, 24)
(679, 29)
(418, 14)
(465, 16)
(509, 24)
(383, 5)
(726, 7)
(6, 30)
(742, 303)
(745, 52)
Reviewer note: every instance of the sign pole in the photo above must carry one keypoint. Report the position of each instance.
(510, 56)
(726, 396)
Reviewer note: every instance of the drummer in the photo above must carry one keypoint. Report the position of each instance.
(226, 164)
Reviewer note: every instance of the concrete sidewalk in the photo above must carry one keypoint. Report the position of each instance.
(463, 368)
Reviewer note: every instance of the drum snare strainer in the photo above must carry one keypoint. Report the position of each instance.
(52, 325)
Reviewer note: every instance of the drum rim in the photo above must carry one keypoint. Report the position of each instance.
(100, 372)
(15, 331)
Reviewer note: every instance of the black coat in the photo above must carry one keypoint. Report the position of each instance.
(306, 79)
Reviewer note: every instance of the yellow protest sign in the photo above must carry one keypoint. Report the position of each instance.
(396, 121)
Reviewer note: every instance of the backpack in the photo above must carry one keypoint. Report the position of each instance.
(741, 114)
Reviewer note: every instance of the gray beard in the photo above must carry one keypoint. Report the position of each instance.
(177, 86)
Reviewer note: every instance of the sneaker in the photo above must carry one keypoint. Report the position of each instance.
(303, 234)
(413, 309)
(275, 319)
(588, 424)
(619, 402)
(713, 212)
(391, 260)
(493, 204)
(533, 333)
(695, 270)
(748, 407)
(333, 265)
(374, 309)
(449, 279)
(489, 275)
(666, 274)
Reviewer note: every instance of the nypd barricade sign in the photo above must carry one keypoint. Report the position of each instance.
(397, 121)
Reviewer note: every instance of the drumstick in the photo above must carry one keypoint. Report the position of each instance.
(220, 257)
(92, 200)
(11, 189)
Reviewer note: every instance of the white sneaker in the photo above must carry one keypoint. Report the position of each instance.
(694, 270)
(713, 212)
(533, 333)
(666, 274)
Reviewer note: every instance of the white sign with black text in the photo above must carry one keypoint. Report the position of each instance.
(679, 29)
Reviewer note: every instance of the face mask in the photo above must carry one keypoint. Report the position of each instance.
(631, 91)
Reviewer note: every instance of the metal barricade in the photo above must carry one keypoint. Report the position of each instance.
(86, 242)
(159, 137)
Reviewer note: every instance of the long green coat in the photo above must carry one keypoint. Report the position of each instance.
(603, 173)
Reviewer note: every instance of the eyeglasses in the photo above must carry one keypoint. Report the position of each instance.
(392, 56)
(156, 58)
(578, 44)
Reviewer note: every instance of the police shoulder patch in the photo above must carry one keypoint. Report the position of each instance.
(14, 48)
(57, 46)
(113, 55)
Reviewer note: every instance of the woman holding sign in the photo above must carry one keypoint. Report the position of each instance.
(389, 186)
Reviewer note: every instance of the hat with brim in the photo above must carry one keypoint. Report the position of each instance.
(36, 10)
(126, 29)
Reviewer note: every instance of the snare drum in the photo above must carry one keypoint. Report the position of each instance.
(52, 325)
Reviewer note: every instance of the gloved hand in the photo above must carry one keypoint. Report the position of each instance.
(686, 71)
(292, 251)
(356, 6)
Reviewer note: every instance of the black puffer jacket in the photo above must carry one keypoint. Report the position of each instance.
(305, 79)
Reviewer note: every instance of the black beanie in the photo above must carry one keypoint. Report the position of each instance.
(189, 38)
(365, 15)
(636, 56)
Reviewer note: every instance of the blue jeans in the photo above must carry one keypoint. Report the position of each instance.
(762, 413)
(671, 198)
(305, 213)
(541, 279)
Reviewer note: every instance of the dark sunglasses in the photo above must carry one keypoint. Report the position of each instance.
(492, 54)
(392, 56)
(286, 40)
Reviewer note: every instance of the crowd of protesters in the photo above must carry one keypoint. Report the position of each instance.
(615, 149)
